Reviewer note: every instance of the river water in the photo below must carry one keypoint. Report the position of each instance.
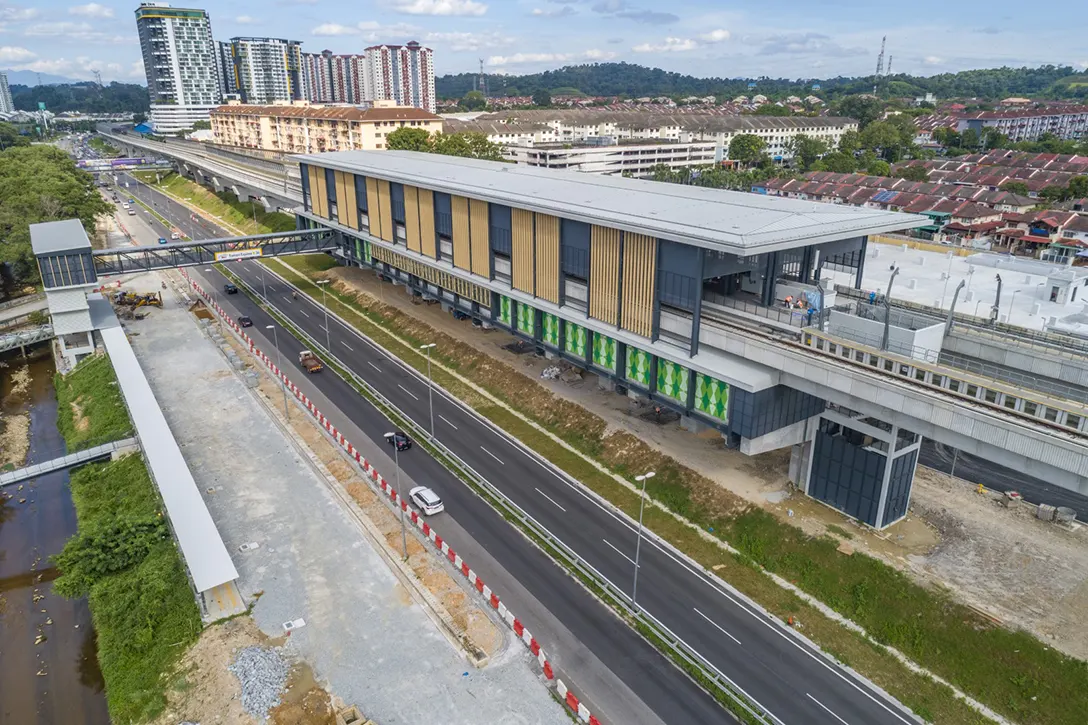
(56, 680)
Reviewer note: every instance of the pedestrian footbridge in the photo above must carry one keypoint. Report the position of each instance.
(71, 460)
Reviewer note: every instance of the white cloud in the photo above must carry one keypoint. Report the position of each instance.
(81, 67)
(715, 36)
(439, 7)
(15, 54)
(77, 31)
(932, 60)
(246, 20)
(462, 41)
(671, 45)
(559, 12)
(14, 14)
(1083, 64)
(527, 58)
(46, 29)
(91, 10)
(328, 30)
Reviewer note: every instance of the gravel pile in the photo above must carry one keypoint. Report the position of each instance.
(263, 674)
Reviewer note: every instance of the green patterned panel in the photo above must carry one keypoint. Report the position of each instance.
(712, 397)
(526, 315)
(505, 311)
(551, 329)
(638, 366)
(366, 253)
(604, 352)
(672, 380)
(575, 340)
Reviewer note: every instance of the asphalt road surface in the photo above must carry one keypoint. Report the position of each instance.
(775, 668)
(977, 470)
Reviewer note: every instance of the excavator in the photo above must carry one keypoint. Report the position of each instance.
(136, 299)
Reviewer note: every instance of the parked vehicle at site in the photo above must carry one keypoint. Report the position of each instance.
(309, 361)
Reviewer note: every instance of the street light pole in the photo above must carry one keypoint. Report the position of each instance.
(264, 282)
(391, 437)
(430, 385)
(638, 543)
(279, 365)
(321, 283)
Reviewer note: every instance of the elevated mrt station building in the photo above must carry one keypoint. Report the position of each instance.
(658, 289)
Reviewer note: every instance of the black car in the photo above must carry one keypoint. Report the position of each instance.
(245, 321)
(400, 440)
(230, 289)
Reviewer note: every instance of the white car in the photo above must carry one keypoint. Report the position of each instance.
(175, 235)
(125, 207)
(427, 500)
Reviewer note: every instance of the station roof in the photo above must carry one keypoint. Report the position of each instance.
(729, 221)
(67, 235)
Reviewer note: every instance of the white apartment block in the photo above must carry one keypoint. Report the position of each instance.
(262, 70)
(179, 55)
(694, 137)
(6, 104)
(1065, 122)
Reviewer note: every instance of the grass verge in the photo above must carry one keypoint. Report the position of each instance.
(250, 217)
(585, 432)
(91, 411)
(122, 558)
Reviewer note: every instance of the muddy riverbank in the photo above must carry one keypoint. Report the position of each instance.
(48, 661)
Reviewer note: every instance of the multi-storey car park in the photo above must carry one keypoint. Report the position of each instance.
(676, 295)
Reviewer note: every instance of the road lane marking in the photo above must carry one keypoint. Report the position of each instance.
(350, 348)
(407, 390)
(373, 366)
(828, 709)
(451, 425)
(613, 548)
(551, 499)
(492, 455)
(303, 312)
(720, 628)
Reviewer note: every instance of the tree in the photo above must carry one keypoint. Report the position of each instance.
(865, 109)
(473, 101)
(772, 109)
(542, 98)
(511, 91)
(40, 184)
(202, 125)
(407, 138)
(879, 167)
(746, 148)
(912, 172)
(837, 161)
(1078, 187)
(947, 137)
(1054, 193)
(994, 139)
(1015, 187)
(138, 118)
(468, 145)
(9, 136)
(969, 139)
(806, 150)
(882, 138)
(849, 142)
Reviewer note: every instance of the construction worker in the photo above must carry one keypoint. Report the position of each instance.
(789, 300)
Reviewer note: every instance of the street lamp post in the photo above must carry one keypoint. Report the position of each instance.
(321, 283)
(430, 385)
(264, 282)
(391, 437)
(1012, 305)
(279, 365)
(638, 543)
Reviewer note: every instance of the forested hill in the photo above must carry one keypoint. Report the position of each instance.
(628, 79)
(85, 97)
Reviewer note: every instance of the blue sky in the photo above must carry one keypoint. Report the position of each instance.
(790, 38)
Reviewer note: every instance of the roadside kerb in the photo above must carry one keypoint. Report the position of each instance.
(379, 482)
(701, 670)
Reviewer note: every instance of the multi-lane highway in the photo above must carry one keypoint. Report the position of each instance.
(782, 673)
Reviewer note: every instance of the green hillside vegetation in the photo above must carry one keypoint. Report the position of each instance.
(631, 80)
(84, 97)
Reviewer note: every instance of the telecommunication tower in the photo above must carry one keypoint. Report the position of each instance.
(880, 58)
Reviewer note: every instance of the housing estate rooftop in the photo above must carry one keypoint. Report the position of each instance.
(728, 221)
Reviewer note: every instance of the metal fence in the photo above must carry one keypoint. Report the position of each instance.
(786, 316)
(744, 704)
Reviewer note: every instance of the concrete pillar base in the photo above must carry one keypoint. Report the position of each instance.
(692, 424)
(637, 396)
(606, 383)
(548, 355)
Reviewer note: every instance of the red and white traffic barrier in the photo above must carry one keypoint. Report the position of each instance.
(428, 531)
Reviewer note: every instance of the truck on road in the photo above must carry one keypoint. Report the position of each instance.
(309, 361)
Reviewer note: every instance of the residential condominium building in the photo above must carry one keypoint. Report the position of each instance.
(1065, 122)
(261, 70)
(332, 78)
(401, 73)
(180, 63)
(6, 104)
(306, 128)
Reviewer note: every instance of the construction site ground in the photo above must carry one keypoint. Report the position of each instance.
(368, 640)
(1021, 571)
